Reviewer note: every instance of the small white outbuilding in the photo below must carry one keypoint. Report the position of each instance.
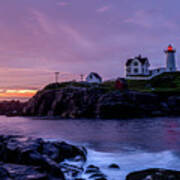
(94, 78)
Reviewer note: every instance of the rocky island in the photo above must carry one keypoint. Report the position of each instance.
(82, 100)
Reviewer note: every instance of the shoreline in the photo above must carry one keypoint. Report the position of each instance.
(37, 159)
(129, 157)
(58, 118)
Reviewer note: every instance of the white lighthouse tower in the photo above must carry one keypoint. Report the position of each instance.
(170, 59)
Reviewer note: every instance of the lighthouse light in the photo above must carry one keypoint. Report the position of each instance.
(170, 48)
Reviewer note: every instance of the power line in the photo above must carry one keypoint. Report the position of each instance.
(82, 77)
(56, 77)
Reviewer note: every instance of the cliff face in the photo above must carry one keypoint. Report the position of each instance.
(77, 102)
(69, 102)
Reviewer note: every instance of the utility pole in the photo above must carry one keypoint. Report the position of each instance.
(56, 76)
(82, 77)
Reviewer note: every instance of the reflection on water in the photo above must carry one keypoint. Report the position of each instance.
(151, 135)
(133, 144)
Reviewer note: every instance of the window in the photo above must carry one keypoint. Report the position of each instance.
(136, 70)
(135, 64)
(128, 70)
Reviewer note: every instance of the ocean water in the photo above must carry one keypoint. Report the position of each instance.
(132, 144)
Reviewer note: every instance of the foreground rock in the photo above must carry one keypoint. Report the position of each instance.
(24, 158)
(154, 174)
(34, 159)
(94, 172)
(94, 102)
(114, 166)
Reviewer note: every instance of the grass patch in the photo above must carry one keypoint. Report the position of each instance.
(164, 83)
(66, 84)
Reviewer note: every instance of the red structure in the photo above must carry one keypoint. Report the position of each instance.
(121, 84)
(170, 49)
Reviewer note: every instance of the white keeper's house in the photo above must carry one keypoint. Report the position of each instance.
(139, 67)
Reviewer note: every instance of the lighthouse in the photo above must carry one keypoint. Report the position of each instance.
(170, 59)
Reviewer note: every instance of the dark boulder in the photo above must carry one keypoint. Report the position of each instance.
(114, 166)
(31, 155)
(71, 170)
(22, 172)
(92, 169)
(154, 174)
(4, 174)
(94, 172)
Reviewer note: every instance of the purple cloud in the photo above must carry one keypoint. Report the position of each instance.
(62, 3)
(103, 9)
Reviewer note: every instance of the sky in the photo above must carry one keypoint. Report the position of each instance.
(73, 37)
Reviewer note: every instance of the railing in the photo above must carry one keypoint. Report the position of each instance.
(145, 77)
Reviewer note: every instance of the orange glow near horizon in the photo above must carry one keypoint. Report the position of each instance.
(17, 93)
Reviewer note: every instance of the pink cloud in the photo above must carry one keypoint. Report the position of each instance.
(63, 3)
(103, 9)
(59, 29)
(43, 22)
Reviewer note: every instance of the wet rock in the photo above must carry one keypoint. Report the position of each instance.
(88, 171)
(92, 169)
(35, 159)
(71, 170)
(114, 166)
(154, 174)
(97, 175)
(101, 178)
(51, 166)
(37, 177)
(51, 150)
(67, 151)
(4, 174)
(21, 172)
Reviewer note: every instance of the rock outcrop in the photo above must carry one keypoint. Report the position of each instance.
(93, 102)
(34, 159)
(23, 158)
(154, 174)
